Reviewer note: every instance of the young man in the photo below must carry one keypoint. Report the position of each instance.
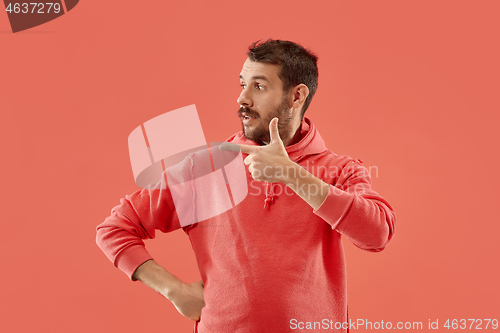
(275, 261)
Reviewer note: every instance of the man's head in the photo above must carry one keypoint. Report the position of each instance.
(279, 79)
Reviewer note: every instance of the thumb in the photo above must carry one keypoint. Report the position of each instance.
(273, 131)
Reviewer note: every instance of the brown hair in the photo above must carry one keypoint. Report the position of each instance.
(298, 65)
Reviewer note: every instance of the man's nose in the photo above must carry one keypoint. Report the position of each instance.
(245, 98)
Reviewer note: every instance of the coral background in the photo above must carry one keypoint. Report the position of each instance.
(411, 88)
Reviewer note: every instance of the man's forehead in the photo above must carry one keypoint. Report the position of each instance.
(258, 70)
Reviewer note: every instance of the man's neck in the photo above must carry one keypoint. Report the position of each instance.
(296, 137)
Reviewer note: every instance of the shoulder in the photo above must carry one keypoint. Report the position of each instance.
(328, 157)
(333, 168)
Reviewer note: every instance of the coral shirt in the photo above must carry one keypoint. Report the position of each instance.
(272, 261)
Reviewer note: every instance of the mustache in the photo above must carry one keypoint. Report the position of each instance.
(248, 112)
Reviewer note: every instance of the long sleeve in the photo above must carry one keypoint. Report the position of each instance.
(136, 218)
(356, 211)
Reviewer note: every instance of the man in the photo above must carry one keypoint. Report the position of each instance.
(276, 267)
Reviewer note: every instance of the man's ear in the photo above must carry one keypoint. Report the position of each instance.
(300, 93)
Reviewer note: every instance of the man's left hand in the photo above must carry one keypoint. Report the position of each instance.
(268, 163)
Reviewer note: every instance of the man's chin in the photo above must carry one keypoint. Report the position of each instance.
(255, 133)
(248, 134)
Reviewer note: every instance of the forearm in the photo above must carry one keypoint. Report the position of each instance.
(187, 298)
(157, 278)
(368, 222)
(358, 212)
(310, 188)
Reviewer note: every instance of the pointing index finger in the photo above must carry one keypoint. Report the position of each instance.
(225, 146)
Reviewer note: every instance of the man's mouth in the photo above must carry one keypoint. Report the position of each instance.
(247, 119)
(246, 115)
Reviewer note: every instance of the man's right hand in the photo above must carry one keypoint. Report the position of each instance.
(188, 299)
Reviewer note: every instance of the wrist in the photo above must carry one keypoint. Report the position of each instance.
(173, 290)
(292, 173)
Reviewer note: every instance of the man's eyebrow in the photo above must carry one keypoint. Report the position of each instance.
(257, 77)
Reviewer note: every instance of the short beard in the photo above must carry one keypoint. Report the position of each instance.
(261, 133)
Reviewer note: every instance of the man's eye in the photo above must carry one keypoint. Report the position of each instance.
(260, 87)
(242, 85)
